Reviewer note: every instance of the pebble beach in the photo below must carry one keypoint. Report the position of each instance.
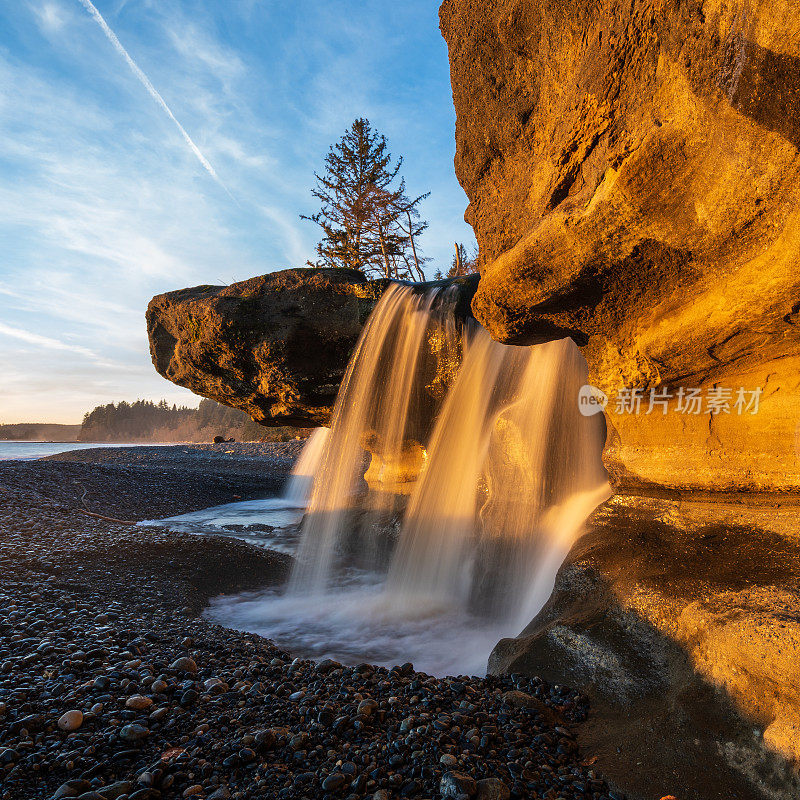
(113, 686)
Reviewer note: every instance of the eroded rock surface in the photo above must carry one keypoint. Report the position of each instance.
(274, 346)
(685, 630)
(633, 176)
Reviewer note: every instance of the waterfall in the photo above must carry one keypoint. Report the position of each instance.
(378, 417)
(513, 471)
(298, 487)
(456, 474)
(492, 472)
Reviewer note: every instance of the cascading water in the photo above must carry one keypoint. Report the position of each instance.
(301, 481)
(379, 409)
(513, 472)
(456, 476)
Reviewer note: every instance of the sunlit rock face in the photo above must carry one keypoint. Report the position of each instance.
(398, 473)
(633, 177)
(274, 346)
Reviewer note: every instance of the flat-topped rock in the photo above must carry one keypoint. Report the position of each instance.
(274, 346)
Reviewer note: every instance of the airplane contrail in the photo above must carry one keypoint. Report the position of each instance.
(145, 81)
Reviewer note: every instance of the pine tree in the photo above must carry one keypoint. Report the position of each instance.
(368, 222)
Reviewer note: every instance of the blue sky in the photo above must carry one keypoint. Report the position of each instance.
(104, 202)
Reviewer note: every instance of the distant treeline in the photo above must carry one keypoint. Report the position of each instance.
(40, 432)
(160, 422)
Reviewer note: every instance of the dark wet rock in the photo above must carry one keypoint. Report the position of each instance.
(134, 733)
(72, 788)
(115, 790)
(457, 785)
(367, 707)
(184, 664)
(265, 740)
(145, 794)
(334, 782)
(492, 789)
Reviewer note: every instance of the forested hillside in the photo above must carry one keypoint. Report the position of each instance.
(39, 432)
(144, 420)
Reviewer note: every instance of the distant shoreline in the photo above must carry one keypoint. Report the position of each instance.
(39, 431)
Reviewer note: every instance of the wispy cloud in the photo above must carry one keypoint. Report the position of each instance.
(296, 245)
(196, 45)
(145, 81)
(50, 16)
(45, 341)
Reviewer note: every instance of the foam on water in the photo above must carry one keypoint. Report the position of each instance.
(358, 623)
(272, 523)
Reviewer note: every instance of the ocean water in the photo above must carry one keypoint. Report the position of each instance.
(28, 451)
(272, 522)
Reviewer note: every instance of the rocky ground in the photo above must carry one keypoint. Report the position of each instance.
(112, 686)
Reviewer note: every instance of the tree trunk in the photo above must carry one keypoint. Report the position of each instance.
(420, 273)
(387, 269)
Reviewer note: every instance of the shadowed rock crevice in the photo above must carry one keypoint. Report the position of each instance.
(764, 86)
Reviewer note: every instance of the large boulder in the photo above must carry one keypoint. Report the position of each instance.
(275, 346)
(633, 176)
